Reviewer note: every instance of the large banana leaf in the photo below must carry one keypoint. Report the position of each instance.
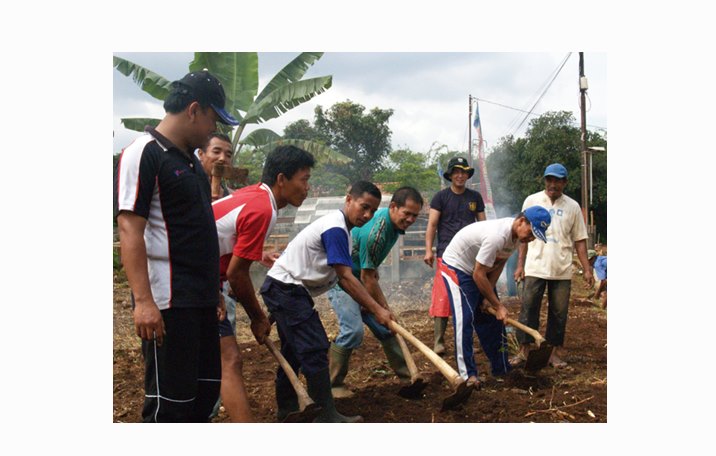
(149, 81)
(258, 138)
(138, 124)
(320, 152)
(292, 72)
(285, 98)
(237, 71)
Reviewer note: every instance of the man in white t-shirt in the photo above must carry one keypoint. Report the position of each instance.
(549, 265)
(313, 262)
(472, 263)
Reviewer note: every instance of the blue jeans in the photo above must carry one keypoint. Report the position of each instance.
(468, 319)
(227, 327)
(351, 319)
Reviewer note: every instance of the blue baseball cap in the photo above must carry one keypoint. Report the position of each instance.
(557, 170)
(207, 90)
(539, 219)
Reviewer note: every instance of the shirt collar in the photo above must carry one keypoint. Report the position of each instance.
(268, 190)
(162, 140)
(167, 145)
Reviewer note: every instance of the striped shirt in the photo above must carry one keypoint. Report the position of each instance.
(169, 188)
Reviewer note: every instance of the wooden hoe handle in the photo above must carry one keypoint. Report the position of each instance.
(409, 361)
(216, 190)
(303, 397)
(536, 335)
(444, 368)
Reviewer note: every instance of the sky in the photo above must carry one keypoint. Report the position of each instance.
(428, 91)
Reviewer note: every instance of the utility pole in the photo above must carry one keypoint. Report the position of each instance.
(583, 86)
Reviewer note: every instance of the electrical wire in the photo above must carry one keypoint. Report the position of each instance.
(532, 113)
(542, 88)
(543, 93)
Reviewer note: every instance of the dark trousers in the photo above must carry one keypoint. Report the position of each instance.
(558, 305)
(304, 342)
(183, 376)
(468, 319)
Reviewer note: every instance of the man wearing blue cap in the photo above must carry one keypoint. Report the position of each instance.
(549, 265)
(170, 252)
(451, 209)
(472, 263)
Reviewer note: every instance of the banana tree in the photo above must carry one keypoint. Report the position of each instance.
(238, 72)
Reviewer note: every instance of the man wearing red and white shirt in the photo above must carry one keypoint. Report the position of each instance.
(244, 220)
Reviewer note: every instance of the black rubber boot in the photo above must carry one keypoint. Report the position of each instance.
(319, 388)
(440, 327)
(338, 358)
(286, 400)
(392, 350)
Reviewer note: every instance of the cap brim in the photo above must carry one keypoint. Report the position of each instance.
(539, 234)
(555, 175)
(470, 172)
(225, 117)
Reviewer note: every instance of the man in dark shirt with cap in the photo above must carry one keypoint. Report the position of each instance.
(170, 252)
(451, 209)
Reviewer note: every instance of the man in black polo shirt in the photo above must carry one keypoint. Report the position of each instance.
(170, 252)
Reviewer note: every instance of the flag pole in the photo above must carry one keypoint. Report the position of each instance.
(469, 130)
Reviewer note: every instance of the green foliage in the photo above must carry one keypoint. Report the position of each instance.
(116, 260)
(405, 167)
(259, 137)
(252, 159)
(239, 73)
(346, 127)
(149, 81)
(326, 182)
(302, 129)
(138, 123)
(516, 166)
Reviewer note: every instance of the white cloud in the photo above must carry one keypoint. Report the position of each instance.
(427, 91)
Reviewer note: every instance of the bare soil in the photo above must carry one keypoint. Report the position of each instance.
(575, 394)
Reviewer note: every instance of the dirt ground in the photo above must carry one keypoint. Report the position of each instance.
(575, 394)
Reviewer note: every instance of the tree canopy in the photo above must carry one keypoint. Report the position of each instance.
(346, 127)
(516, 166)
(239, 74)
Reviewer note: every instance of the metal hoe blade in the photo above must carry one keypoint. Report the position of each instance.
(460, 396)
(306, 415)
(538, 358)
(413, 390)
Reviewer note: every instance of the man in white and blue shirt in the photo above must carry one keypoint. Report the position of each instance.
(313, 262)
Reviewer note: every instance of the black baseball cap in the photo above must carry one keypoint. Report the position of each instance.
(208, 91)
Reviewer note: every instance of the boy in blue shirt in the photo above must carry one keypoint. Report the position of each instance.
(599, 263)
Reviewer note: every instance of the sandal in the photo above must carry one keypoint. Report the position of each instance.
(558, 364)
(517, 360)
(473, 382)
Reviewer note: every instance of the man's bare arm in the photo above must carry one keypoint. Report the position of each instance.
(433, 218)
(148, 320)
(485, 278)
(369, 277)
(240, 280)
(358, 292)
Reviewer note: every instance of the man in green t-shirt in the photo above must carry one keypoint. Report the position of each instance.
(371, 244)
